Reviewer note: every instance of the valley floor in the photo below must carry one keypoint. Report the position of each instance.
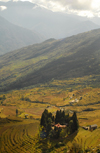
(17, 135)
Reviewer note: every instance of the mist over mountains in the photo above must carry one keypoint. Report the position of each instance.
(14, 37)
(47, 23)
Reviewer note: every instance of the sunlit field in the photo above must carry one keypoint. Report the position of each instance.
(17, 132)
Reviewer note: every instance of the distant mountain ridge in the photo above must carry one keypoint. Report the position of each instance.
(82, 27)
(13, 37)
(49, 24)
(72, 57)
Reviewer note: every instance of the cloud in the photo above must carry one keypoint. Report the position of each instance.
(87, 8)
(4, 0)
(3, 8)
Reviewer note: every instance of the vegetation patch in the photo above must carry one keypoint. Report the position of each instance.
(89, 109)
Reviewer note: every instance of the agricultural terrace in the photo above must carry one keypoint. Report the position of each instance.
(54, 96)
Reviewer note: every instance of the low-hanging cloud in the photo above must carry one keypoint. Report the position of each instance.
(4, 0)
(88, 8)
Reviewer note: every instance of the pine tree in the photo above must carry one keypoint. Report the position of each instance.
(75, 121)
(46, 121)
(16, 112)
(46, 118)
(71, 127)
(60, 117)
(57, 117)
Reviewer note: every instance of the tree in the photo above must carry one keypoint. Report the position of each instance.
(75, 121)
(57, 132)
(46, 119)
(53, 119)
(4, 97)
(48, 126)
(71, 127)
(57, 117)
(67, 118)
(60, 117)
(16, 112)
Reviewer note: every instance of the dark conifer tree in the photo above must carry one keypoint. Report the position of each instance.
(53, 118)
(57, 117)
(63, 114)
(71, 127)
(75, 121)
(67, 118)
(48, 126)
(60, 117)
(16, 112)
(46, 118)
(43, 120)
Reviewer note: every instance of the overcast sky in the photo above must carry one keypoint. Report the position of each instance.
(89, 8)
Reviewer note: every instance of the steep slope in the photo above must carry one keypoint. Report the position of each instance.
(13, 37)
(47, 23)
(76, 56)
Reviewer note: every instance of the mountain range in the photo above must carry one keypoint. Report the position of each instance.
(13, 37)
(72, 57)
(47, 23)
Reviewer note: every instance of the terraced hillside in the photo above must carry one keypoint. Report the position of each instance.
(17, 133)
(71, 57)
(18, 138)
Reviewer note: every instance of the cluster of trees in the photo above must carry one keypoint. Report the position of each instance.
(2, 99)
(47, 119)
(25, 99)
(61, 117)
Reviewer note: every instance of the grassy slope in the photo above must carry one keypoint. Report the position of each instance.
(13, 37)
(75, 56)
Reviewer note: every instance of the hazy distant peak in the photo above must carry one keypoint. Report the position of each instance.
(13, 37)
(19, 3)
(44, 21)
(50, 40)
(35, 7)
